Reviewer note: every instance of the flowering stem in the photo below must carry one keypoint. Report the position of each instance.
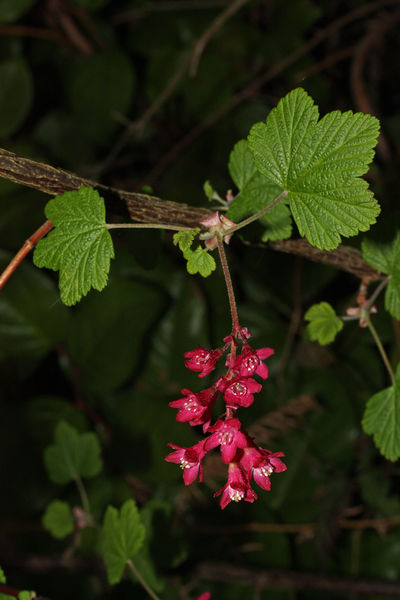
(148, 226)
(257, 215)
(379, 346)
(141, 580)
(229, 286)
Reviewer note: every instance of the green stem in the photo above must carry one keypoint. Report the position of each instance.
(83, 495)
(229, 286)
(379, 346)
(377, 291)
(148, 226)
(257, 215)
(141, 580)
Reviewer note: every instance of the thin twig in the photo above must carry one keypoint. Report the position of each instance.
(357, 80)
(191, 61)
(215, 26)
(254, 86)
(293, 580)
(167, 6)
(26, 248)
(34, 32)
(141, 580)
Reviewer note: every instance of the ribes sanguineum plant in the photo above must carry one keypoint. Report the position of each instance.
(245, 460)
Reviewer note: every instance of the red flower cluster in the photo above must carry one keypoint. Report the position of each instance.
(245, 459)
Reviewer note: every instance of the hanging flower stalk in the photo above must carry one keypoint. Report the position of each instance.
(245, 460)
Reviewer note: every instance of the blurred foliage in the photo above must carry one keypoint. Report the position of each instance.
(75, 75)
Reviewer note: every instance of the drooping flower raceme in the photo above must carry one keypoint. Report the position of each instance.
(246, 460)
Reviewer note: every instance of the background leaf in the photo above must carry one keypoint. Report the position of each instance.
(73, 455)
(58, 519)
(15, 94)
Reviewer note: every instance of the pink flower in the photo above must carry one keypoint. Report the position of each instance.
(260, 463)
(237, 487)
(249, 362)
(195, 408)
(202, 360)
(189, 460)
(205, 596)
(239, 391)
(228, 435)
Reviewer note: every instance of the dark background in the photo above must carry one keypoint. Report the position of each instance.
(77, 78)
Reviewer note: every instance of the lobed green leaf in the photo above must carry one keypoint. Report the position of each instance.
(382, 419)
(80, 246)
(199, 261)
(123, 536)
(73, 455)
(319, 163)
(324, 323)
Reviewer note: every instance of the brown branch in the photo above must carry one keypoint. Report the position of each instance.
(150, 209)
(25, 31)
(345, 258)
(292, 580)
(139, 207)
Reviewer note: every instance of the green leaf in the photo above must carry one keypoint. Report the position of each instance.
(11, 10)
(199, 261)
(2, 576)
(324, 323)
(26, 595)
(73, 455)
(58, 519)
(80, 246)
(15, 94)
(184, 239)
(382, 419)
(320, 164)
(256, 192)
(385, 256)
(123, 536)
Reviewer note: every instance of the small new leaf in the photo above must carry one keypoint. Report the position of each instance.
(58, 519)
(324, 323)
(382, 419)
(208, 190)
(73, 455)
(199, 261)
(123, 536)
(2, 576)
(184, 239)
(320, 164)
(79, 246)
